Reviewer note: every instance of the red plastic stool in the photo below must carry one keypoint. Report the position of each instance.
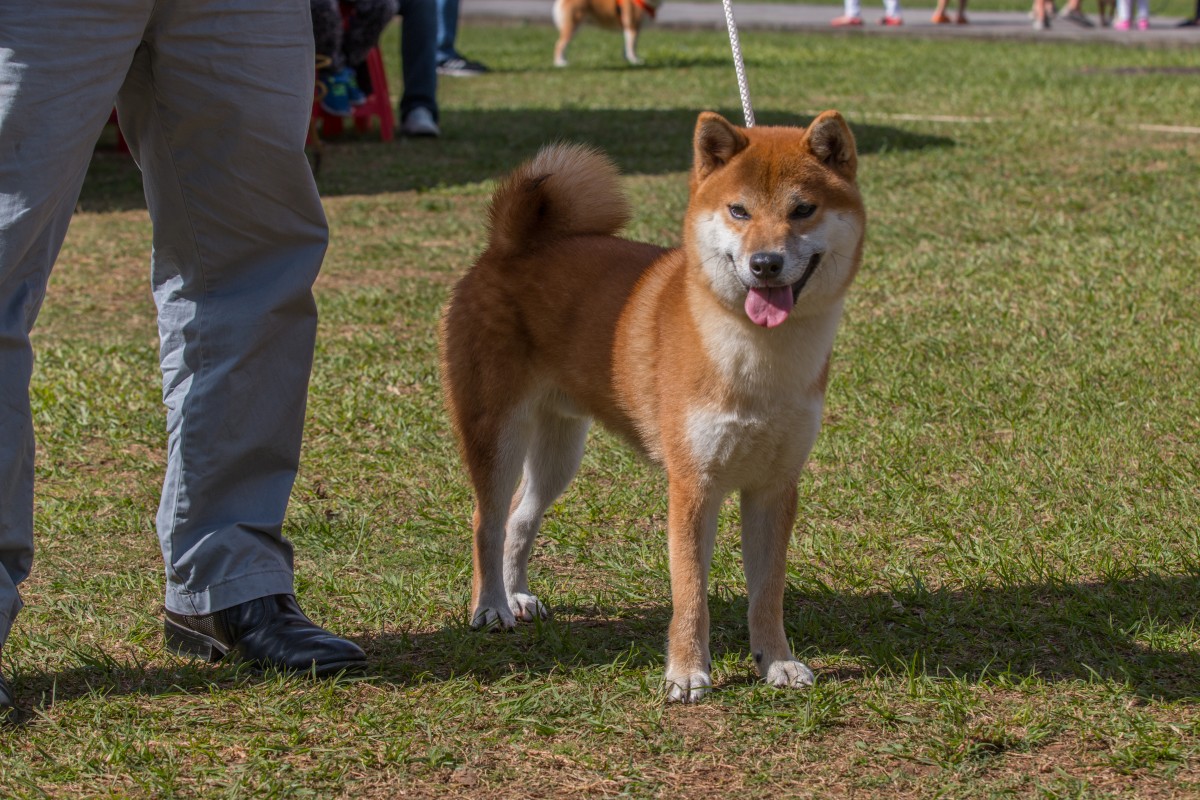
(379, 104)
(122, 145)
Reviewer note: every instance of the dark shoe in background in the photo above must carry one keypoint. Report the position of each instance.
(460, 67)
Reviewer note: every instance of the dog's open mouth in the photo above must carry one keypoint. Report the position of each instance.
(769, 306)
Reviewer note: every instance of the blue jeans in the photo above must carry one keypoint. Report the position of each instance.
(418, 61)
(239, 235)
(447, 30)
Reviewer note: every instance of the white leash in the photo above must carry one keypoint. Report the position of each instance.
(739, 66)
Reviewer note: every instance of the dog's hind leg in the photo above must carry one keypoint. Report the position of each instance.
(494, 457)
(556, 448)
(566, 21)
(630, 20)
(767, 519)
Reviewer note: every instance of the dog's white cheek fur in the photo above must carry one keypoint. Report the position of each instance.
(717, 244)
(837, 238)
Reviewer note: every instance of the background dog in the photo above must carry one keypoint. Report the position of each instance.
(626, 15)
(711, 359)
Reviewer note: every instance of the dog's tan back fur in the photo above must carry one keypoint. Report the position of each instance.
(560, 321)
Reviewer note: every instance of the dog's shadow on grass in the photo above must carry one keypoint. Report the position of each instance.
(481, 145)
(1138, 632)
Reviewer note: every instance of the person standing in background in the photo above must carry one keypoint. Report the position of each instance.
(853, 14)
(418, 110)
(449, 61)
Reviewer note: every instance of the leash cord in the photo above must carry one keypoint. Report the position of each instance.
(739, 66)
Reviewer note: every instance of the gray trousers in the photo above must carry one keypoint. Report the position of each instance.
(214, 98)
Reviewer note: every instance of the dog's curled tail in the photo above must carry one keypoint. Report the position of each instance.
(565, 190)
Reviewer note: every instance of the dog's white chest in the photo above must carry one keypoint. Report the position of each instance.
(750, 448)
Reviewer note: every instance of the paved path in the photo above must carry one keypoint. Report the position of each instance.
(791, 16)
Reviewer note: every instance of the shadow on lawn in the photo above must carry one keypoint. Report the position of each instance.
(1051, 631)
(481, 145)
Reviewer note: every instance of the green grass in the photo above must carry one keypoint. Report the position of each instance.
(996, 571)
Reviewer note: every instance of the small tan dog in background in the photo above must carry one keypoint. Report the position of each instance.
(711, 359)
(625, 15)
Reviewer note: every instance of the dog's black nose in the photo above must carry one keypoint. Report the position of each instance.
(766, 265)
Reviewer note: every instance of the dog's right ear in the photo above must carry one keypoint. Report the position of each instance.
(717, 141)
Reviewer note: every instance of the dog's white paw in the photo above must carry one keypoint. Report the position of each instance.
(789, 674)
(489, 617)
(527, 608)
(687, 687)
(560, 62)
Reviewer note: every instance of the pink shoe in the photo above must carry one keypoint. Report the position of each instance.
(891, 21)
(843, 22)
(1120, 25)
(1143, 24)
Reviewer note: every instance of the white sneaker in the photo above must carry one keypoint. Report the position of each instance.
(420, 122)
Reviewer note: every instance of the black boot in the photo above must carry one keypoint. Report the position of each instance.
(268, 632)
(6, 700)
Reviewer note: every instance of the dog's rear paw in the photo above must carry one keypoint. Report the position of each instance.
(789, 674)
(488, 618)
(527, 608)
(688, 687)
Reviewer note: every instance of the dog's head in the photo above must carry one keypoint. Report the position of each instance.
(775, 218)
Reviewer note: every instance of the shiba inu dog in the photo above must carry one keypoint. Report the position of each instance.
(710, 358)
(626, 15)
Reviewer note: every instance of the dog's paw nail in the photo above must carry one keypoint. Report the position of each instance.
(689, 688)
(790, 674)
(527, 608)
(489, 619)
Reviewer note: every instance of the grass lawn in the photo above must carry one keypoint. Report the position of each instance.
(996, 569)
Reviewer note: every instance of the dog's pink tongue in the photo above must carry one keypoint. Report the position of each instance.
(769, 305)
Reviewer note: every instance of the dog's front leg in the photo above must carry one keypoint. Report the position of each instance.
(767, 519)
(691, 533)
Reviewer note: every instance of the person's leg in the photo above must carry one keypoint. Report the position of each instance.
(239, 235)
(1121, 20)
(54, 102)
(447, 30)
(851, 15)
(891, 9)
(418, 56)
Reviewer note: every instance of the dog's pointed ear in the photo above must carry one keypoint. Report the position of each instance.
(829, 139)
(717, 141)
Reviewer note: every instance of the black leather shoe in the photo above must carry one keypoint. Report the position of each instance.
(268, 632)
(6, 701)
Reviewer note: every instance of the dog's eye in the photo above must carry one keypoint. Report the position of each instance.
(738, 211)
(803, 211)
